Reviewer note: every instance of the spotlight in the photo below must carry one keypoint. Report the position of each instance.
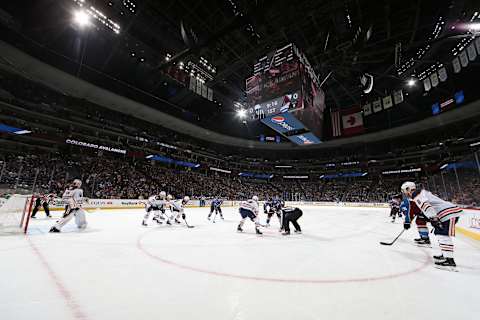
(474, 26)
(81, 18)
(242, 113)
(411, 82)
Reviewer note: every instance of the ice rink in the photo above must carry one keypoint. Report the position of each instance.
(117, 269)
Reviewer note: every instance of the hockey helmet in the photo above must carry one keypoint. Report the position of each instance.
(408, 186)
(255, 198)
(77, 183)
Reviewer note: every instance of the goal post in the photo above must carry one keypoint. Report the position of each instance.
(15, 214)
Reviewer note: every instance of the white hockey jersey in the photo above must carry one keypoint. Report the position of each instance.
(177, 205)
(433, 206)
(154, 202)
(73, 198)
(250, 205)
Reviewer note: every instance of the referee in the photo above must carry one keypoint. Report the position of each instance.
(290, 214)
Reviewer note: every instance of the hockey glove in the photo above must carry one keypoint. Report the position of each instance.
(183, 216)
(406, 225)
(436, 223)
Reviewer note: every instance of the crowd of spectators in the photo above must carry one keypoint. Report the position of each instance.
(129, 179)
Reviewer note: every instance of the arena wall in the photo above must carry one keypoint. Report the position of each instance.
(468, 225)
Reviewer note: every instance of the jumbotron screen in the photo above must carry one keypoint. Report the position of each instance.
(284, 81)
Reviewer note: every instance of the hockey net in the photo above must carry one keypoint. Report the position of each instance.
(15, 214)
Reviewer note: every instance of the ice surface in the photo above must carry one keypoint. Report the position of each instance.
(117, 269)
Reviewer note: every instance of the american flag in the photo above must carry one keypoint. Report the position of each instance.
(336, 123)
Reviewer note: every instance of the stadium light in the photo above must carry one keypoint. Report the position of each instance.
(411, 82)
(81, 18)
(242, 113)
(471, 26)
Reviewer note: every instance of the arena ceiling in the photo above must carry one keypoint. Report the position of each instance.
(343, 39)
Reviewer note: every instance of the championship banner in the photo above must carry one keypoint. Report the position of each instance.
(387, 102)
(367, 109)
(442, 74)
(398, 96)
(463, 58)
(472, 53)
(377, 105)
(434, 79)
(427, 85)
(456, 65)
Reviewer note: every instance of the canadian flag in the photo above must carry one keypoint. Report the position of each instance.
(352, 121)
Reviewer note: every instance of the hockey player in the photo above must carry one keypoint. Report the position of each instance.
(177, 208)
(273, 207)
(43, 201)
(410, 211)
(216, 206)
(288, 215)
(249, 209)
(73, 197)
(394, 207)
(443, 216)
(155, 203)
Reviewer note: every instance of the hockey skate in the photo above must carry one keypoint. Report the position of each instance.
(446, 264)
(423, 242)
(285, 233)
(239, 228)
(144, 223)
(157, 220)
(257, 231)
(298, 231)
(440, 257)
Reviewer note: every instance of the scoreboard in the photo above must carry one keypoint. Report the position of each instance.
(283, 81)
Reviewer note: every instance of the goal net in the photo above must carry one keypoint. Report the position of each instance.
(15, 214)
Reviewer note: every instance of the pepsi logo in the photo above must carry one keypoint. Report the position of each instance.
(278, 119)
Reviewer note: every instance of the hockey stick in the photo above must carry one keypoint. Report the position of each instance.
(186, 223)
(394, 240)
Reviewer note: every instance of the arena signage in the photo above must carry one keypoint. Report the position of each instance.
(295, 177)
(94, 146)
(220, 170)
(304, 139)
(283, 122)
(402, 171)
(5, 128)
(173, 161)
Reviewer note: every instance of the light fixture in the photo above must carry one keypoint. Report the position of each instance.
(411, 82)
(81, 18)
(241, 113)
(474, 26)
